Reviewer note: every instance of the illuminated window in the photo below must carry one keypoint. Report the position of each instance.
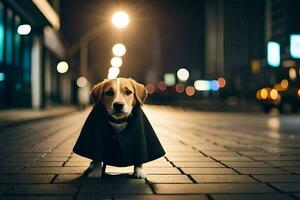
(1, 32)
(273, 54)
(26, 58)
(295, 45)
(9, 37)
(17, 42)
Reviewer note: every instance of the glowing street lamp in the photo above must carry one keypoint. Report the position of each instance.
(81, 82)
(24, 29)
(113, 72)
(120, 19)
(116, 62)
(62, 67)
(183, 74)
(119, 50)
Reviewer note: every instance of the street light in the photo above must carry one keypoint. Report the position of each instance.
(119, 50)
(183, 74)
(62, 67)
(120, 19)
(116, 62)
(24, 29)
(113, 72)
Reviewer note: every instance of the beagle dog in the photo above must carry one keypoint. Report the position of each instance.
(118, 96)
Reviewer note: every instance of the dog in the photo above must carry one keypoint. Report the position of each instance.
(118, 96)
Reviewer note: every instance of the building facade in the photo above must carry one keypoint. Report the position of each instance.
(28, 76)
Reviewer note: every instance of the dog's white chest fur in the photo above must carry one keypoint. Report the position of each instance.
(118, 127)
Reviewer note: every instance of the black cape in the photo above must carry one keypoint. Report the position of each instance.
(136, 144)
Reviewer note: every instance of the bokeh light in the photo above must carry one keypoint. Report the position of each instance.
(116, 62)
(202, 85)
(24, 29)
(150, 88)
(273, 94)
(298, 92)
(113, 72)
(179, 87)
(190, 91)
(214, 85)
(119, 49)
(120, 19)
(292, 73)
(222, 82)
(162, 86)
(264, 93)
(81, 81)
(183, 74)
(62, 67)
(284, 84)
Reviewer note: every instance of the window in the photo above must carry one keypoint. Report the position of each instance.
(26, 59)
(17, 42)
(9, 37)
(1, 32)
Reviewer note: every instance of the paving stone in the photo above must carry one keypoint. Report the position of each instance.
(111, 179)
(53, 159)
(44, 189)
(10, 170)
(45, 164)
(287, 187)
(208, 171)
(278, 158)
(295, 170)
(167, 170)
(222, 153)
(278, 178)
(4, 188)
(168, 179)
(161, 197)
(223, 178)
(30, 197)
(212, 188)
(252, 197)
(234, 164)
(53, 170)
(26, 178)
(198, 164)
(122, 188)
(14, 163)
(260, 170)
(191, 159)
(232, 158)
(77, 164)
(284, 163)
(94, 197)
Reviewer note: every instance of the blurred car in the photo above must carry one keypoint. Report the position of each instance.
(284, 96)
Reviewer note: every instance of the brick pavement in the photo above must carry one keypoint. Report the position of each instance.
(209, 156)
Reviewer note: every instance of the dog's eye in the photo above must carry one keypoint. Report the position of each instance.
(128, 92)
(109, 93)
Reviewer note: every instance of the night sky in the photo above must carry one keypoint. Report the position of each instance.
(178, 24)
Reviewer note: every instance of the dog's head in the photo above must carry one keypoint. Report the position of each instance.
(119, 96)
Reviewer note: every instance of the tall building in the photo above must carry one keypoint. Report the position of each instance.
(30, 48)
(282, 21)
(234, 37)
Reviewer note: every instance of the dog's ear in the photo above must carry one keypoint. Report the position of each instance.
(140, 91)
(97, 91)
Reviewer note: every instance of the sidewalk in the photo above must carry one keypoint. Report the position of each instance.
(12, 117)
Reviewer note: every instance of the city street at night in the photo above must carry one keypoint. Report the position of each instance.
(149, 100)
(209, 155)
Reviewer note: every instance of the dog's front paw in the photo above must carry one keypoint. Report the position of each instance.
(96, 173)
(138, 173)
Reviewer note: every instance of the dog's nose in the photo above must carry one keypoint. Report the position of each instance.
(118, 106)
